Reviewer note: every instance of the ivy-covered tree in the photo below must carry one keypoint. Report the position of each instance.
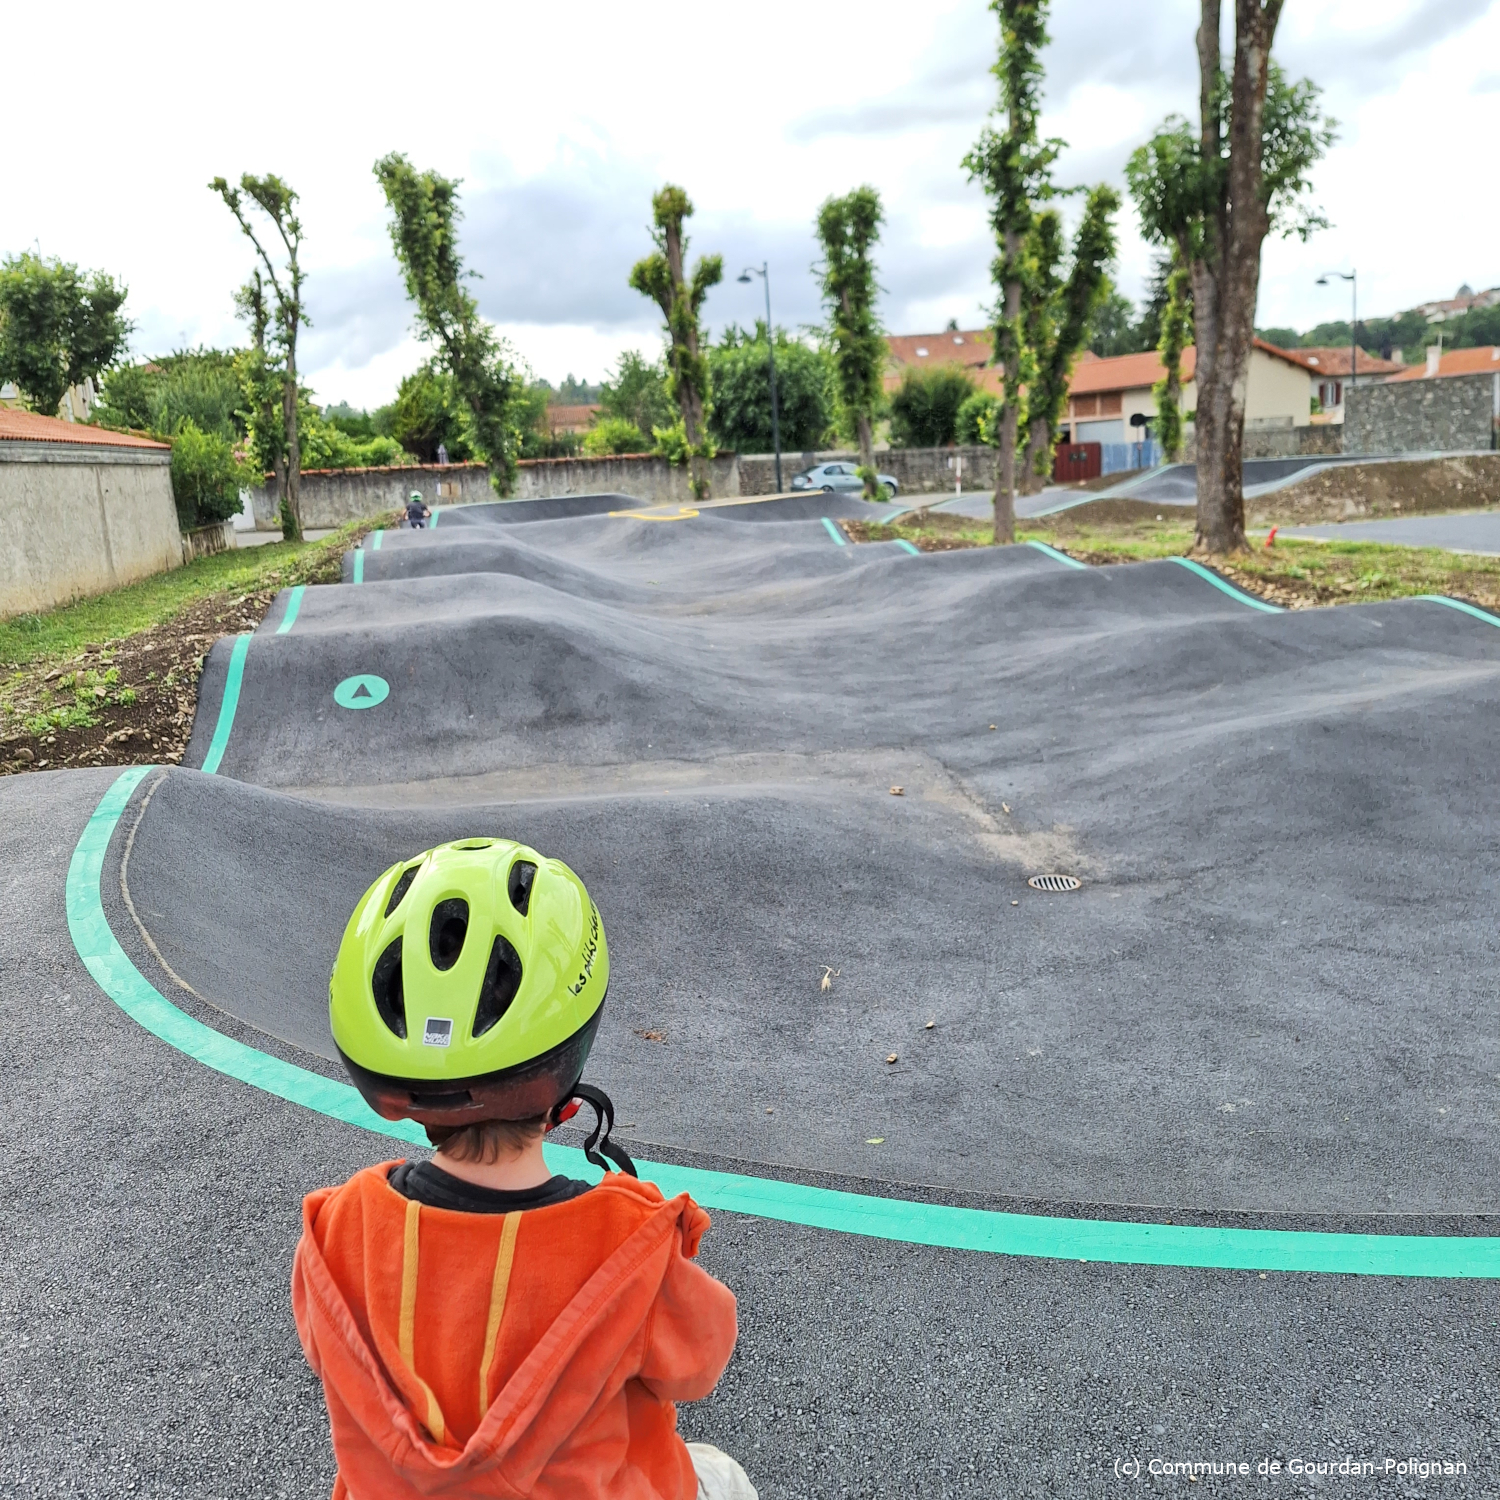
(1176, 327)
(1059, 313)
(848, 230)
(424, 217)
(1014, 166)
(59, 326)
(1044, 317)
(1212, 197)
(663, 277)
(278, 202)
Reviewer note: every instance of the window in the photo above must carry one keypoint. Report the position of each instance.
(921, 354)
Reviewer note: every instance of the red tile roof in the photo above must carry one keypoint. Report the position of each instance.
(969, 347)
(572, 418)
(1129, 372)
(1334, 360)
(1485, 361)
(30, 427)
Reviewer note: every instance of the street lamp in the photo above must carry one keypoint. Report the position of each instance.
(1353, 278)
(764, 272)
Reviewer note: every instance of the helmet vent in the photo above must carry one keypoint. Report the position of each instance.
(450, 926)
(390, 1001)
(400, 888)
(522, 873)
(502, 978)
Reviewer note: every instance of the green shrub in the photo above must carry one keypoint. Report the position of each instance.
(924, 410)
(739, 371)
(206, 476)
(978, 420)
(615, 435)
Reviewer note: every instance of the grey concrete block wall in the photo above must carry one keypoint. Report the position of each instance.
(649, 479)
(76, 520)
(1450, 414)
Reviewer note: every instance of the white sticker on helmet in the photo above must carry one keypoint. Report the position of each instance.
(438, 1032)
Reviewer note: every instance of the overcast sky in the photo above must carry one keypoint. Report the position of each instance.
(562, 121)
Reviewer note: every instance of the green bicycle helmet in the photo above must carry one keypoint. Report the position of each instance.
(468, 987)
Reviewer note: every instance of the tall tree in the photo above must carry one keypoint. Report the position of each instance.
(58, 327)
(424, 217)
(276, 200)
(1058, 317)
(262, 382)
(848, 229)
(1213, 197)
(663, 277)
(1015, 168)
(1176, 324)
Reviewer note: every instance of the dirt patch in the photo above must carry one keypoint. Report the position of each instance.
(1348, 492)
(935, 531)
(132, 701)
(1120, 512)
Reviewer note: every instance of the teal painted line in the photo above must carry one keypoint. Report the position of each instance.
(1057, 556)
(293, 604)
(939, 1225)
(833, 531)
(902, 542)
(1227, 588)
(227, 706)
(437, 510)
(375, 545)
(359, 565)
(1468, 609)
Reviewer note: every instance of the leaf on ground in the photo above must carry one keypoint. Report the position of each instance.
(829, 975)
(898, 791)
(876, 1140)
(893, 1058)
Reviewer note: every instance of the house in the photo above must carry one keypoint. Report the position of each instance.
(76, 405)
(1467, 300)
(966, 348)
(570, 418)
(1484, 361)
(1106, 393)
(1330, 372)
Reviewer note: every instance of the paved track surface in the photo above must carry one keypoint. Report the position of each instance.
(1477, 532)
(1286, 826)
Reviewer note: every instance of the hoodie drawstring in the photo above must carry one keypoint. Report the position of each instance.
(503, 1260)
(406, 1337)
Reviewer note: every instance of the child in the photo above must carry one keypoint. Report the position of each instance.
(482, 1327)
(417, 512)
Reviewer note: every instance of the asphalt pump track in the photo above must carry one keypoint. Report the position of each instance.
(808, 783)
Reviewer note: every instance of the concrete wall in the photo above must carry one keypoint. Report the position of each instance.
(1450, 414)
(76, 521)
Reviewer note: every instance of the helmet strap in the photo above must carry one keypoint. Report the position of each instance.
(604, 1122)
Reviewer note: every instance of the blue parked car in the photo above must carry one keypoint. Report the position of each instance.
(841, 476)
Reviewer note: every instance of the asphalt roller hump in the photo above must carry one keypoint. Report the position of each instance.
(772, 756)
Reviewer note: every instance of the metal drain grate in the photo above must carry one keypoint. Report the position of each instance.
(1054, 882)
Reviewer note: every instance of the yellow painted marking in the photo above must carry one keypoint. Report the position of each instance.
(683, 513)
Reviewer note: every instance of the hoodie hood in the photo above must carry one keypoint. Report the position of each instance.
(537, 1353)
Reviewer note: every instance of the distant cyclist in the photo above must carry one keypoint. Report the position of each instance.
(483, 1327)
(417, 512)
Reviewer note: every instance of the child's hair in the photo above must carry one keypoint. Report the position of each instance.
(488, 1140)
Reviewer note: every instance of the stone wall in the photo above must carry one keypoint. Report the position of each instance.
(331, 497)
(649, 479)
(918, 471)
(1282, 442)
(76, 520)
(1450, 414)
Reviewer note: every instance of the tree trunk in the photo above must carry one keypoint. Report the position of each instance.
(292, 491)
(1038, 442)
(1010, 420)
(1226, 281)
(866, 432)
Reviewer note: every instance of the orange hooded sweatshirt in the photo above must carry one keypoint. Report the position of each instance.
(534, 1353)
